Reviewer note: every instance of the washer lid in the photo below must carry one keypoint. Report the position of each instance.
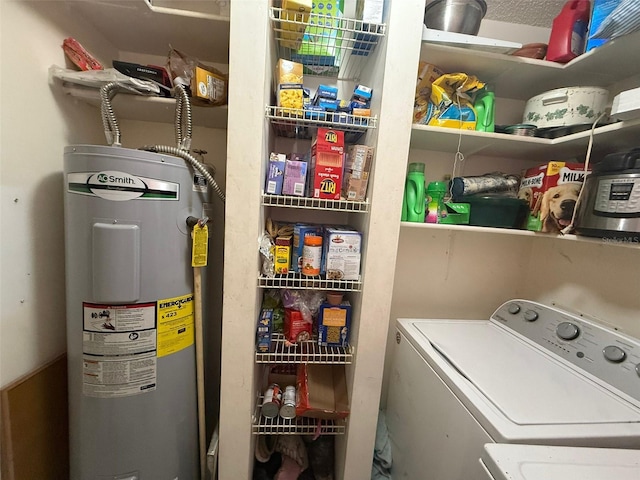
(536, 462)
(527, 385)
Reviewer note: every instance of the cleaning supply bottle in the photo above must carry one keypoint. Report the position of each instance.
(435, 201)
(485, 113)
(569, 31)
(413, 201)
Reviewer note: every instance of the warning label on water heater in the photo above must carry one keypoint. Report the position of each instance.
(119, 346)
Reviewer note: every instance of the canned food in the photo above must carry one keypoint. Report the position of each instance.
(288, 408)
(272, 400)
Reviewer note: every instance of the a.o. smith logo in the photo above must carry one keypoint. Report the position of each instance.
(121, 186)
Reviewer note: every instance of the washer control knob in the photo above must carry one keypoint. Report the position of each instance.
(530, 315)
(568, 331)
(514, 308)
(614, 354)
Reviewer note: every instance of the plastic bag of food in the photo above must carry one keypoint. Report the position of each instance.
(427, 74)
(451, 103)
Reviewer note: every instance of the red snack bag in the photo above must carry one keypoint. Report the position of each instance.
(79, 56)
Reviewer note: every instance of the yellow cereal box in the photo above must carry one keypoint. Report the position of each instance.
(288, 72)
(295, 16)
(290, 96)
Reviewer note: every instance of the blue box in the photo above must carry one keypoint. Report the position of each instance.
(334, 324)
(325, 91)
(264, 331)
(300, 231)
(601, 10)
(275, 174)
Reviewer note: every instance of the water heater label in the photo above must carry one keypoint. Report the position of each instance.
(120, 186)
(119, 346)
(175, 324)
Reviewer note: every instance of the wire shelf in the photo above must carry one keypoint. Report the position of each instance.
(326, 45)
(304, 352)
(295, 426)
(300, 123)
(293, 280)
(314, 203)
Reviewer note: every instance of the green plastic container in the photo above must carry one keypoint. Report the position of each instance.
(492, 210)
(413, 201)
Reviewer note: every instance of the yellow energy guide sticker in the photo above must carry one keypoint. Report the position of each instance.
(175, 324)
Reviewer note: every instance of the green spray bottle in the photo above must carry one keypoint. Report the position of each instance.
(485, 111)
(413, 201)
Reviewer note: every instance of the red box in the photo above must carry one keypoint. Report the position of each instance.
(296, 328)
(327, 157)
(552, 192)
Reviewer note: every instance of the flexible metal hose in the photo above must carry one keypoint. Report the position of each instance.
(211, 182)
(183, 121)
(109, 121)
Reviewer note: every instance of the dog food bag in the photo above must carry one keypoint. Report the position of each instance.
(552, 191)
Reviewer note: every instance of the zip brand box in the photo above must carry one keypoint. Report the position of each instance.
(275, 174)
(327, 156)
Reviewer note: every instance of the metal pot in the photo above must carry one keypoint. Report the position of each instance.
(459, 16)
(566, 106)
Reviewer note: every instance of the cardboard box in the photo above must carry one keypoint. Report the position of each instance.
(552, 191)
(300, 231)
(288, 72)
(282, 254)
(341, 253)
(359, 158)
(327, 155)
(296, 328)
(353, 188)
(334, 324)
(295, 176)
(275, 174)
(208, 86)
(290, 96)
(322, 40)
(264, 331)
(284, 375)
(294, 11)
(322, 392)
(370, 11)
(599, 12)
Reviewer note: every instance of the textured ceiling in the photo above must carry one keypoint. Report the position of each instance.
(529, 12)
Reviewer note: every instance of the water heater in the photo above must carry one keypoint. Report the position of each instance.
(130, 314)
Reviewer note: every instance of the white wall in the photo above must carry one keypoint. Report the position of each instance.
(36, 123)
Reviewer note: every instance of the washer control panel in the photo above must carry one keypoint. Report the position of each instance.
(601, 351)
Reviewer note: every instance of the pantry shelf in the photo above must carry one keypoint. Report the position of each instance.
(304, 352)
(294, 280)
(314, 203)
(522, 78)
(615, 136)
(295, 426)
(299, 123)
(628, 242)
(338, 46)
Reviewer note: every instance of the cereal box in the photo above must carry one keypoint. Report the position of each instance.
(295, 176)
(288, 72)
(296, 15)
(296, 328)
(334, 322)
(552, 191)
(208, 86)
(275, 174)
(341, 253)
(290, 97)
(327, 152)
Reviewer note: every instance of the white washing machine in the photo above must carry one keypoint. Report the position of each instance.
(531, 374)
(538, 462)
